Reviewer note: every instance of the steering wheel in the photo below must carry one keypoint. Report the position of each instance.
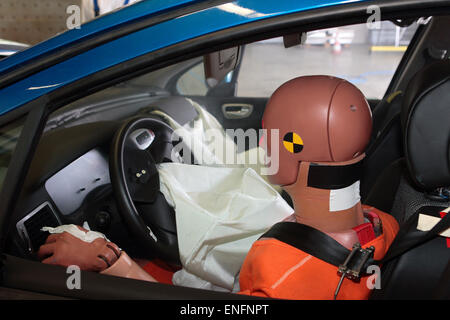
(139, 144)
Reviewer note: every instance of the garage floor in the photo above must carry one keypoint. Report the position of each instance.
(265, 66)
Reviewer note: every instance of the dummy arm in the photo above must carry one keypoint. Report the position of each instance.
(99, 255)
(126, 267)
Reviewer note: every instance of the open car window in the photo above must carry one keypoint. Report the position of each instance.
(365, 57)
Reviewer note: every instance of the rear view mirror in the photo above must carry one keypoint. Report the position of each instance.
(219, 64)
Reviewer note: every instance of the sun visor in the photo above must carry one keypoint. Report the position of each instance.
(219, 64)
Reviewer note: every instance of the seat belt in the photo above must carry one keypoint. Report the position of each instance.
(353, 263)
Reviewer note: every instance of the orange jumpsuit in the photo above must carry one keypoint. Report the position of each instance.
(277, 270)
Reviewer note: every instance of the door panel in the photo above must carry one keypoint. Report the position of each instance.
(52, 280)
(217, 105)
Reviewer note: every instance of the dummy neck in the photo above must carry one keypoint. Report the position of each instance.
(334, 211)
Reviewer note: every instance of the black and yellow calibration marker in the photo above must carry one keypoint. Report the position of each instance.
(292, 142)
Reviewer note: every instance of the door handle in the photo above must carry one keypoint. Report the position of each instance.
(237, 110)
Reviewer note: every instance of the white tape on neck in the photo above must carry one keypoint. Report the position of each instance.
(345, 198)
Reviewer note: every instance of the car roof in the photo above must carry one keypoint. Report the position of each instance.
(104, 23)
(213, 16)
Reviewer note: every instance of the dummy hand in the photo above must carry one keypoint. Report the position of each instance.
(64, 249)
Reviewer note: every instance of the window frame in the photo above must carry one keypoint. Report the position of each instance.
(34, 115)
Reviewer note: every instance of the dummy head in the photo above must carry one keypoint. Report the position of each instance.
(324, 125)
(320, 119)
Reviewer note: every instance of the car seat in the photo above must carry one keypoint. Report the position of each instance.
(419, 183)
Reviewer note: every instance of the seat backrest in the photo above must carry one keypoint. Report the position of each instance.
(425, 126)
(419, 184)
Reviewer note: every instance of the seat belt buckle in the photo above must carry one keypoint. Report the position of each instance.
(353, 266)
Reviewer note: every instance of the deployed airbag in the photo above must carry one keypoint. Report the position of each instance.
(220, 212)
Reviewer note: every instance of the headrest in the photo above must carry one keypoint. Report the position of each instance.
(426, 126)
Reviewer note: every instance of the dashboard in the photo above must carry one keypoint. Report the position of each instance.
(63, 198)
(68, 181)
(79, 190)
(68, 187)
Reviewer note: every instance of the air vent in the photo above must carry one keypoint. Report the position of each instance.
(30, 226)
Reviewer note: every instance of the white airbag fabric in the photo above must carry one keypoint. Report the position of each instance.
(204, 148)
(220, 212)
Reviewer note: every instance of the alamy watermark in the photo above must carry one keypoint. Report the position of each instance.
(374, 280)
(74, 280)
(73, 20)
(374, 20)
(214, 148)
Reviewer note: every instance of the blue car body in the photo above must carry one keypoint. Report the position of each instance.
(168, 32)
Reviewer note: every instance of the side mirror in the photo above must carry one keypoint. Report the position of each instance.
(219, 64)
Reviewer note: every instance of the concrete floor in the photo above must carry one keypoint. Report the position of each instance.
(265, 66)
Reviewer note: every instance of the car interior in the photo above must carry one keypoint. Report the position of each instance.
(83, 171)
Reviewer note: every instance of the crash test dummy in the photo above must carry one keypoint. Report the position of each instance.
(324, 125)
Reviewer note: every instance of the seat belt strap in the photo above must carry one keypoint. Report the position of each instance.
(409, 240)
(353, 262)
(309, 240)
